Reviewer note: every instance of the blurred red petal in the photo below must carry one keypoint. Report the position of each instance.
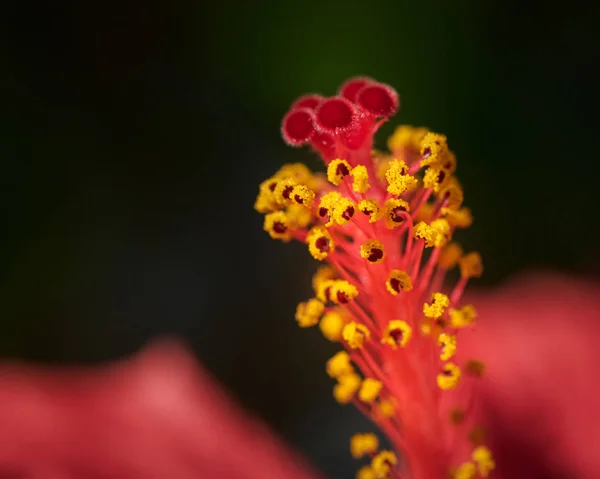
(538, 336)
(157, 415)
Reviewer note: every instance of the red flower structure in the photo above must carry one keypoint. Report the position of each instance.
(384, 223)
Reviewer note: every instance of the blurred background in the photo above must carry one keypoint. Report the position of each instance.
(134, 136)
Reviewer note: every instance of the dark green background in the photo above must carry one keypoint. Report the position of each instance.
(133, 139)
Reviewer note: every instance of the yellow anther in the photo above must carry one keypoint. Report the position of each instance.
(303, 195)
(435, 178)
(277, 225)
(265, 201)
(299, 172)
(397, 333)
(457, 416)
(372, 251)
(451, 191)
(363, 444)
(331, 325)
(434, 149)
(482, 456)
(369, 390)
(463, 317)
(426, 232)
(320, 243)
(381, 163)
(343, 211)
(298, 216)
(346, 388)
(448, 344)
(406, 136)
(398, 281)
(424, 213)
(283, 191)
(342, 292)
(439, 303)
(399, 181)
(444, 232)
(337, 170)
(339, 364)
(449, 256)
(355, 334)
(382, 463)
(467, 470)
(371, 208)
(386, 407)
(366, 472)
(475, 367)
(309, 312)
(361, 179)
(394, 210)
(449, 377)
(471, 265)
(460, 218)
(324, 273)
(326, 206)
(324, 290)
(449, 163)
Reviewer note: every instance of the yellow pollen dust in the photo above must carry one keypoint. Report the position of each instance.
(326, 206)
(283, 191)
(398, 281)
(337, 170)
(363, 444)
(435, 178)
(449, 256)
(399, 181)
(277, 225)
(343, 211)
(482, 456)
(309, 312)
(324, 290)
(463, 317)
(439, 303)
(397, 333)
(434, 148)
(372, 251)
(406, 136)
(448, 344)
(303, 195)
(427, 233)
(449, 377)
(369, 390)
(343, 292)
(331, 325)
(393, 209)
(355, 334)
(339, 364)
(320, 243)
(360, 177)
(382, 463)
(471, 265)
(345, 390)
(372, 208)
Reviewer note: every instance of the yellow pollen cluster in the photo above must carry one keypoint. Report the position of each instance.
(372, 251)
(303, 195)
(459, 218)
(355, 334)
(435, 178)
(397, 333)
(482, 456)
(394, 210)
(308, 313)
(463, 317)
(339, 365)
(448, 344)
(406, 136)
(331, 325)
(449, 377)
(434, 148)
(449, 256)
(371, 208)
(283, 191)
(365, 472)
(452, 192)
(345, 390)
(343, 211)
(467, 470)
(471, 266)
(398, 281)
(363, 444)
(337, 170)
(361, 179)
(342, 292)
(320, 243)
(399, 181)
(326, 206)
(439, 303)
(369, 390)
(382, 463)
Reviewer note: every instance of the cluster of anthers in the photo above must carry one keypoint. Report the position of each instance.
(383, 222)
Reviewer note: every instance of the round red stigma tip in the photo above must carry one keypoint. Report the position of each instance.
(351, 87)
(310, 101)
(297, 126)
(335, 115)
(378, 99)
